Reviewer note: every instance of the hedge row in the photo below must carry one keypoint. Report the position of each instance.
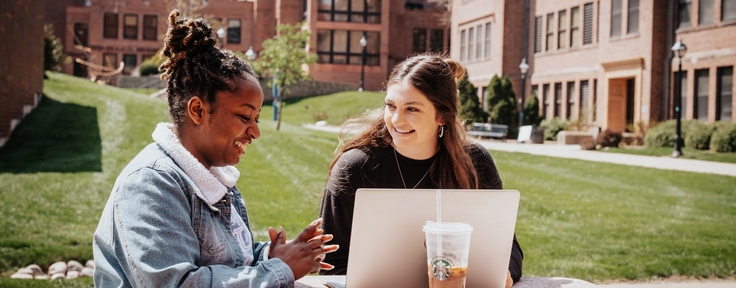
(718, 136)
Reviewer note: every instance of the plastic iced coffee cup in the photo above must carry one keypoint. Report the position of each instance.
(448, 244)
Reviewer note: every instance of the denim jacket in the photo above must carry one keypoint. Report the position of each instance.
(157, 231)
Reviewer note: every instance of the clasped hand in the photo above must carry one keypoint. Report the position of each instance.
(305, 253)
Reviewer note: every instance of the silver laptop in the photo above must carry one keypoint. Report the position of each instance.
(387, 242)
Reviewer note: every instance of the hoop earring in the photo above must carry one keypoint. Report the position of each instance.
(442, 130)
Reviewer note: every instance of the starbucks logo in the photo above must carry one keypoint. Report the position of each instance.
(441, 269)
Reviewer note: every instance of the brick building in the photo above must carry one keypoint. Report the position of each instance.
(393, 30)
(490, 40)
(605, 62)
(131, 31)
(708, 28)
(21, 71)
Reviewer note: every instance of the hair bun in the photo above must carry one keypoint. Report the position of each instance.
(457, 70)
(187, 37)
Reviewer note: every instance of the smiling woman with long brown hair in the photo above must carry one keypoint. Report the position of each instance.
(414, 141)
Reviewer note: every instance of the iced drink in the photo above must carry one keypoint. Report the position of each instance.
(448, 244)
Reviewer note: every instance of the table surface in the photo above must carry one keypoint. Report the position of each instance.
(525, 282)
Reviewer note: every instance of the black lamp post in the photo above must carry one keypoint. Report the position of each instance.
(221, 35)
(679, 49)
(524, 68)
(363, 43)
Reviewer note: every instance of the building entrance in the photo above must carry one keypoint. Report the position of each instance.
(620, 103)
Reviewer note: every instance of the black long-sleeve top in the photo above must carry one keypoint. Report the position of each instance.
(377, 168)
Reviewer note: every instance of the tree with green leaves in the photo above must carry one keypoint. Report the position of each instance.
(495, 93)
(501, 101)
(282, 58)
(470, 110)
(53, 51)
(531, 110)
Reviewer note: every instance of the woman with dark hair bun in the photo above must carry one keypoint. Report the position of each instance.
(415, 141)
(174, 217)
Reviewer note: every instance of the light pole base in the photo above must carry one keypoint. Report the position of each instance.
(676, 154)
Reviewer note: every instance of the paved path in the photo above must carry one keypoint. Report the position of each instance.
(574, 152)
(665, 284)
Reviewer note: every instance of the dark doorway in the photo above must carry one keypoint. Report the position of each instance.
(630, 104)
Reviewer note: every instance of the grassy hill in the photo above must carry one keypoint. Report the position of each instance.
(588, 220)
(332, 108)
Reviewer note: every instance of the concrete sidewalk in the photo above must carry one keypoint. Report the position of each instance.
(665, 284)
(574, 152)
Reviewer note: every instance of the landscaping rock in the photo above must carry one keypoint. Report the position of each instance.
(25, 271)
(21, 276)
(72, 274)
(58, 267)
(87, 272)
(74, 265)
(36, 269)
(69, 270)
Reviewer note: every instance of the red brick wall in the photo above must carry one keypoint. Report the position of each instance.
(708, 47)
(396, 28)
(55, 13)
(257, 24)
(21, 71)
(507, 36)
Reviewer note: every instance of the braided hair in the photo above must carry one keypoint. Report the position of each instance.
(194, 66)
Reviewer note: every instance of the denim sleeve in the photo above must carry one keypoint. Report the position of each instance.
(156, 246)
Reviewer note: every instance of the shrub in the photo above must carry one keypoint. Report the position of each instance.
(319, 115)
(53, 50)
(552, 127)
(148, 68)
(588, 144)
(663, 135)
(609, 138)
(699, 135)
(470, 110)
(531, 110)
(724, 138)
(150, 65)
(501, 101)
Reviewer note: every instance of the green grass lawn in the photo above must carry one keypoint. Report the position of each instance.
(335, 107)
(144, 91)
(588, 220)
(688, 153)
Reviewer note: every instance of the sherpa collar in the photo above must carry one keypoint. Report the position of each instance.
(212, 184)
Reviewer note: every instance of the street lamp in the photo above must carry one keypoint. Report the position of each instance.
(524, 68)
(221, 35)
(250, 54)
(276, 96)
(363, 43)
(679, 49)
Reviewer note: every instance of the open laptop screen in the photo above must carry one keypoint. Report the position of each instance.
(387, 241)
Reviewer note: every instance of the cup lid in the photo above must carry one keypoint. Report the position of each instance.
(447, 227)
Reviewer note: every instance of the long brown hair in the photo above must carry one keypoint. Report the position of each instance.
(436, 77)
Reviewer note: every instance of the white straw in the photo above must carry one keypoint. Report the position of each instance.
(439, 206)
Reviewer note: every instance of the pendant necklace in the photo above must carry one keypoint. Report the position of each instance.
(402, 175)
